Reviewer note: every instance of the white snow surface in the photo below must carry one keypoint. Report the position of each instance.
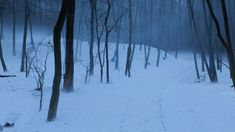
(163, 99)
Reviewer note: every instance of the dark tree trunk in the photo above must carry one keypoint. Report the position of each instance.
(117, 51)
(226, 43)
(107, 41)
(14, 29)
(196, 65)
(212, 69)
(147, 55)
(202, 62)
(158, 56)
(31, 33)
(69, 62)
(92, 35)
(24, 46)
(129, 51)
(2, 58)
(107, 56)
(58, 64)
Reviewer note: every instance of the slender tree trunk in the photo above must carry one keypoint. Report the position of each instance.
(92, 35)
(107, 57)
(196, 65)
(158, 56)
(58, 64)
(202, 62)
(24, 46)
(2, 58)
(147, 55)
(78, 37)
(69, 62)
(107, 41)
(31, 33)
(117, 51)
(14, 29)
(129, 51)
(100, 60)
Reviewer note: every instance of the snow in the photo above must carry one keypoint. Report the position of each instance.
(163, 99)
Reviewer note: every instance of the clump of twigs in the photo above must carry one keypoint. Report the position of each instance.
(38, 65)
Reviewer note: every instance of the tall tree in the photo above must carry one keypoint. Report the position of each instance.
(227, 41)
(69, 62)
(58, 64)
(92, 35)
(1, 37)
(14, 28)
(24, 45)
(128, 59)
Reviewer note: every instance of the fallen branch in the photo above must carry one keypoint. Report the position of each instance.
(6, 76)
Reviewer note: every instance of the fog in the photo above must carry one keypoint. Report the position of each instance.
(117, 65)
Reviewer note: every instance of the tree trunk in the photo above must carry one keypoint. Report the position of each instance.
(158, 56)
(107, 41)
(58, 64)
(24, 46)
(69, 62)
(92, 33)
(2, 58)
(31, 33)
(14, 29)
(129, 51)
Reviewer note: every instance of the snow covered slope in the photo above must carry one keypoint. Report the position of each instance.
(164, 99)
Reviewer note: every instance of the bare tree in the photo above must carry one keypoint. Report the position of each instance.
(69, 59)
(39, 68)
(1, 37)
(24, 46)
(58, 64)
(92, 35)
(128, 60)
(14, 28)
(226, 42)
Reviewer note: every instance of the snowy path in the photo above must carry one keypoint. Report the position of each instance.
(164, 99)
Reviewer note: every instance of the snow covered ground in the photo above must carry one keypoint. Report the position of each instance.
(164, 99)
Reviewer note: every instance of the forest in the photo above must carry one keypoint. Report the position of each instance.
(117, 65)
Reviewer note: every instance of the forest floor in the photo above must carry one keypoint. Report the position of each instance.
(163, 99)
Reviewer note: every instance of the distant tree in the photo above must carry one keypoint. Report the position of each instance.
(99, 28)
(107, 34)
(120, 8)
(1, 37)
(92, 35)
(24, 45)
(14, 28)
(129, 51)
(2, 58)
